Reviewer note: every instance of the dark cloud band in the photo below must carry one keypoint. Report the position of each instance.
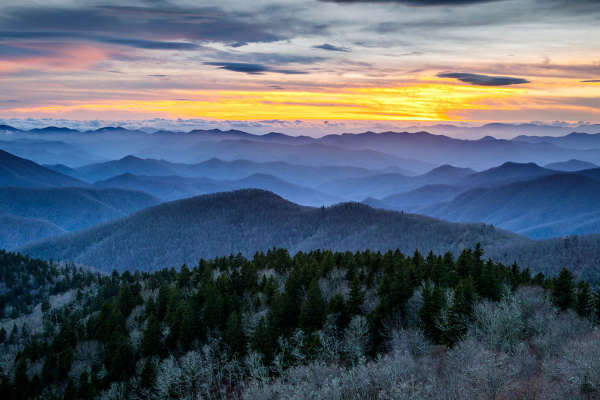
(483, 80)
(331, 47)
(252, 69)
(418, 3)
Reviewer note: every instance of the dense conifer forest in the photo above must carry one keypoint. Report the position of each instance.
(334, 325)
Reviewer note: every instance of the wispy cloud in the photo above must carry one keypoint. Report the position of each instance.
(331, 47)
(253, 69)
(419, 3)
(483, 80)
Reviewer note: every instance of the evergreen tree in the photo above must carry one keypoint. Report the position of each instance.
(234, 334)
(148, 374)
(356, 298)
(163, 301)
(186, 333)
(490, 284)
(433, 304)
(598, 306)
(21, 380)
(151, 341)
(45, 306)
(84, 388)
(563, 290)
(126, 300)
(312, 312)
(261, 340)
(120, 358)
(584, 304)
(461, 311)
(338, 308)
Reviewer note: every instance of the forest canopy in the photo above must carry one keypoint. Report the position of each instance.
(334, 324)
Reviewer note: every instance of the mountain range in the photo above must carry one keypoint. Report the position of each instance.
(416, 152)
(19, 172)
(248, 221)
(571, 165)
(175, 187)
(68, 210)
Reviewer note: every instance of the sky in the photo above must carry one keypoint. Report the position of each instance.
(302, 66)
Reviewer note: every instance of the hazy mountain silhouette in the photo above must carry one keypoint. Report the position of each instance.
(72, 208)
(377, 186)
(571, 165)
(19, 172)
(48, 151)
(417, 199)
(129, 164)
(176, 187)
(440, 149)
(505, 173)
(418, 151)
(547, 206)
(217, 169)
(445, 174)
(574, 140)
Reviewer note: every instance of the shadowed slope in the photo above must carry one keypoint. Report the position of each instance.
(247, 221)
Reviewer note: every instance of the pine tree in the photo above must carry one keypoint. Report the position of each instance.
(164, 294)
(597, 301)
(433, 303)
(563, 290)
(186, 334)
(490, 284)
(262, 341)
(126, 300)
(356, 298)
(84, 389)
(234, 335)
(120, 359)
(461, 311)
(338, 308)
(148, 374)
(312, 312)
(584, 304)
(45, 306)
(151, 342)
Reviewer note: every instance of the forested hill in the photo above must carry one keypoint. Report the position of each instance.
(247, 221)
(318, 325)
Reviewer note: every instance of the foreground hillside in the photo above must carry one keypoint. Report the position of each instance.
(318, 325)
(248, 221)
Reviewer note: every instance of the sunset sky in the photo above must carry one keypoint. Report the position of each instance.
(281, 63)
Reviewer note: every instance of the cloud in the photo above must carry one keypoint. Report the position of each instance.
(417, 3)
(483, 80)
(591, 81)
(15, 53)
(136, 43)
(252, 69)
(158, 25)
(331, 47)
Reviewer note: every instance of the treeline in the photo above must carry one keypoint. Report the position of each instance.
(25, 282)
(216, 329)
